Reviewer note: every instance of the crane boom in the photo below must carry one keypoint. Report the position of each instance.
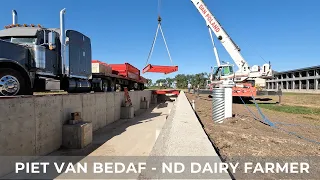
(222, 35)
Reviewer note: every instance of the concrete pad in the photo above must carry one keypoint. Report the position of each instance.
(48, 124)
(144, 105)
(127, 112)
(134, 137)
(77, 136)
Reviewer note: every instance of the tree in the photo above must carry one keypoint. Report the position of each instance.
(149, 82)
(182, 81)
(169, 81)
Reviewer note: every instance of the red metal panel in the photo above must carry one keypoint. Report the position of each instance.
(160, 69)
(172, 91)
(126, 70)
(143, 80)
(246, 91)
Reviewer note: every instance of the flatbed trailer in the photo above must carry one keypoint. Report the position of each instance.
(120, 76)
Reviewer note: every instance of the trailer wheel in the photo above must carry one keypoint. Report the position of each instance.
(12, 83)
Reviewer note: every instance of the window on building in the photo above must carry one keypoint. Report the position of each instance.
(311, 73)
(311, 84)
(304, 84)
(296, 84)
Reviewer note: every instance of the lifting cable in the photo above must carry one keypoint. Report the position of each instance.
(271, 124)
(156, 35)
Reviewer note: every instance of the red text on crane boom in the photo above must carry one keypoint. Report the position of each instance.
(209, 17)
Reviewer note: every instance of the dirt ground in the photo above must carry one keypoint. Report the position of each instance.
(242, 135)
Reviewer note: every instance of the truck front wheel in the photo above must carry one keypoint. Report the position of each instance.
(12, 83)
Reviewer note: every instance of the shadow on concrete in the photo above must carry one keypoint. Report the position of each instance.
(116, 128)
(166, 98)
(162, 105)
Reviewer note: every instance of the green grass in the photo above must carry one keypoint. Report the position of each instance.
(290, 109)
(298, 94)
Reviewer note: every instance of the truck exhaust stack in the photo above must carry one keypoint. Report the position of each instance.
(14, 17)
(62, 40)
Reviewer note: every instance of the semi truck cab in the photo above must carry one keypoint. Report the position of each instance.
(34, 58)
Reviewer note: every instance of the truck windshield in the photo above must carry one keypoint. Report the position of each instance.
(24, 40)
(20, 40)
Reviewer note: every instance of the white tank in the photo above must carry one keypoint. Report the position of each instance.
(255, 68)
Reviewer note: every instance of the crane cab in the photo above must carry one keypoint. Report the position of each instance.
(222, 72)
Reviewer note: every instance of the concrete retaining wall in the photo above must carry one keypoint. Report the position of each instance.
(32, 126)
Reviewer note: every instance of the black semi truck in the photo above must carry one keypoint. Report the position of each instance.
(34, 58)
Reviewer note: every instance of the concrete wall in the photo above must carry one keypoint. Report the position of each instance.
(32, 126)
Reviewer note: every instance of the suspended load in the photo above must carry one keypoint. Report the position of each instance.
(159, 68)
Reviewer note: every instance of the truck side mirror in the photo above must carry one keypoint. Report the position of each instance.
(52, 40)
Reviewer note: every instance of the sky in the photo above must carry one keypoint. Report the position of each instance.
(285, 32)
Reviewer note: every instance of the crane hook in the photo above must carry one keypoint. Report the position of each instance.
(159, 19)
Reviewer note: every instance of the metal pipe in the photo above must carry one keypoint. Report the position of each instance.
(14, 17)
(62, 40)
(44, 37)
(218, 105)
(214, 47)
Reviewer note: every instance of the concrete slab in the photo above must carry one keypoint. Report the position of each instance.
(89, 110)
(48, 124)
(118, 100)
(101, 113)
(184, 123)
(17, 131)
(110, 109)
(144, 105)
(71, 103)
(17, 127)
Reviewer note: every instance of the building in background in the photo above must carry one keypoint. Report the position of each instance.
(260, 82)
(297, 80)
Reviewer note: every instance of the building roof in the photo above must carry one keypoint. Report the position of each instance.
(300, 69)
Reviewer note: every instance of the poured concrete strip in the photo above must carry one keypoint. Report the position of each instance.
(183, 135)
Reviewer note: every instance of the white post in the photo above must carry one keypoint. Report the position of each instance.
(193, 105)
(228, 102)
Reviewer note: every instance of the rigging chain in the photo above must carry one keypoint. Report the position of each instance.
(155, 37)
